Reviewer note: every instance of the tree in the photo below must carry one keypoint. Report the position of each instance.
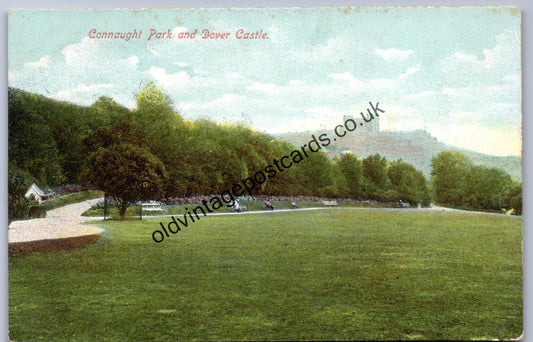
(106, 112)
(448, 170)
(409, 184)
(315, 174)
(340, 187)
(32, 147)
(119, 133)
(483, 186)
(18, 183)
(126, 173)
(511, 198)
(156, 116)
(352, 168)
(375, 173)
(168, 137)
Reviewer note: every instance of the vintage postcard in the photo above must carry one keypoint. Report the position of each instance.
(327, 173)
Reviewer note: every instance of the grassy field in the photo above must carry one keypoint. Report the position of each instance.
(296, 275)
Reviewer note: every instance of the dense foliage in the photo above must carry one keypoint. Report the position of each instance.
(458, 182)
(18, 183)
(51, 141)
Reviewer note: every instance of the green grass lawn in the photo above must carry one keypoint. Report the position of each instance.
(346, 274)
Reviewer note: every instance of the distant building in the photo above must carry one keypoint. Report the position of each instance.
(35, 193)
(368, 128)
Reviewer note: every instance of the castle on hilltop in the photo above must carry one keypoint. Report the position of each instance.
(368, 128)
(416, 147)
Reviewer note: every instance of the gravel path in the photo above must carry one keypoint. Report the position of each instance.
(59, 223)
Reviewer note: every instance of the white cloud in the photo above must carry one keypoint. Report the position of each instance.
(462, 57)
(234, 76)
(266, 88)
(345, 76)
(177, 30)
(355, 84)
(80, 89)
(43, 65)
(82, 53)
(394, 55)
(133, 60)
(278, 36)
(223, 103)
(488, 93)
(424, 94)
(199, 72)
(502, 59)
(179, 79)
(410, 71)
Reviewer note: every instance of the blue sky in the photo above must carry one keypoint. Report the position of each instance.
(454, 71)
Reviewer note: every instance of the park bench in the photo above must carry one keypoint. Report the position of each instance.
(329, 202)
(152, 206)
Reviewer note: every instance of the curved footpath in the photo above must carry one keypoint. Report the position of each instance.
(60, 223)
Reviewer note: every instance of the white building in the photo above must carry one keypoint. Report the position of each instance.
(38, 194)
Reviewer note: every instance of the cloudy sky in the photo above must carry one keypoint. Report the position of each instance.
(452, 71)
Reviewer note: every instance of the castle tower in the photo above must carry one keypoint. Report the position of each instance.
(346, 117)
(368, 129)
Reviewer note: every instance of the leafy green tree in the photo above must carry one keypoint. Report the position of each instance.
(106, 112)
(120, 133)
(409, 184)
(168, 137)
(483, 187)
(31, 140)
(155, 115)
(288, 182)
(422, 186)
(352, 169)
(375, 174)
(315, 174)
(126, 173)
(340, 187)
(511, 198)
(18, 183)
(448, 170)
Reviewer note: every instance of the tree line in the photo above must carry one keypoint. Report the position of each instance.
(458, 182)
(153, 152)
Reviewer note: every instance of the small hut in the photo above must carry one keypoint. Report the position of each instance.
(38, 194)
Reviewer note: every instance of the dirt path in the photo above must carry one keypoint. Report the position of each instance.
(59, 223)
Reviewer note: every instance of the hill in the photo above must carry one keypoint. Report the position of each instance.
(414, 147)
